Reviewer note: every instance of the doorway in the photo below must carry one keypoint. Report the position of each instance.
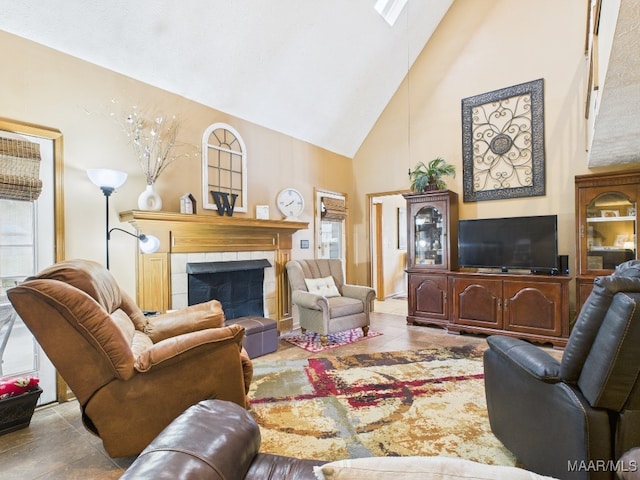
(388, 250)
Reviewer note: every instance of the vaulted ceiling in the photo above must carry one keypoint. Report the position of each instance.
(320, 71)
(616, 137)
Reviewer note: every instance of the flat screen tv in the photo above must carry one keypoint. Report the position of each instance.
(515, 243)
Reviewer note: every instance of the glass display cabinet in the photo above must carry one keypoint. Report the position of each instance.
(432, 223)
(606, 222)
(432, 251)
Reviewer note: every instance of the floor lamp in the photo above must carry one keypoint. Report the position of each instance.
(108, 180)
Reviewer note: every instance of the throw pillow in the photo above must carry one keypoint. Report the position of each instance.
(325, 286)
(424, 468)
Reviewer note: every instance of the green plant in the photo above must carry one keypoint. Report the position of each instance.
(429, 177)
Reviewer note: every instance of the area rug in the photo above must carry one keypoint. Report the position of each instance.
(426, 402)
(311, 341)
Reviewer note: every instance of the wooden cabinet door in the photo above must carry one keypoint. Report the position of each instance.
(477, 302)
(429, 296)
(532, 307)
(154, 288)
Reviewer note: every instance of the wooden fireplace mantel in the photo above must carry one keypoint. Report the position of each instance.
(187, 233)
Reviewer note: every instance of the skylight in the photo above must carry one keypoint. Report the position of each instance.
(390, 9)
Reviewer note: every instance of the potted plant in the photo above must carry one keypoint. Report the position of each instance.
(18, 398)
(425, 178)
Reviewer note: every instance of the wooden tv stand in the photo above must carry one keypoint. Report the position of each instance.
(531, 307)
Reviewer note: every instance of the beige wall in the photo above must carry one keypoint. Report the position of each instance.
(482, 46)
(47, 88)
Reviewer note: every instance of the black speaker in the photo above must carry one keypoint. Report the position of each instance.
(563, 264)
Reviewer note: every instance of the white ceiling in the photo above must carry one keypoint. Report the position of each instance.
(318, 70)
(616, 137)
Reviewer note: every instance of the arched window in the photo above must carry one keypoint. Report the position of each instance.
(224, 168)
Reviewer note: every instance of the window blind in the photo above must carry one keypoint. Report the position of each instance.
(333, 208)
(19, 170)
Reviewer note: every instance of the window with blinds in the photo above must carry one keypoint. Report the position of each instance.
(19, 169)
(333, 208)
(331, 217)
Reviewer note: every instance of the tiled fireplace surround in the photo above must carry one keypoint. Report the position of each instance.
(184, 238)
(179, 288)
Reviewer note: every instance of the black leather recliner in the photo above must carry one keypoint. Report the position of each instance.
(575, 418)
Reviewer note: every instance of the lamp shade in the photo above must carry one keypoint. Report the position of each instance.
(149, 243)
(107, 178)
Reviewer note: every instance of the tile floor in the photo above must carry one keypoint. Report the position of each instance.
(56, 445)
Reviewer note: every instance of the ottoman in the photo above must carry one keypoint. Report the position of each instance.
(260, 334)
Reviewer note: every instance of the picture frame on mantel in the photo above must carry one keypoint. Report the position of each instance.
(503, 143)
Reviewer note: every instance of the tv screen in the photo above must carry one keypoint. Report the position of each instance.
(509, 243)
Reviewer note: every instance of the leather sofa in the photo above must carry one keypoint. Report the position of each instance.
(573, 419)
(131, 374)
(629, 465)
(214, 440)
(217, 440)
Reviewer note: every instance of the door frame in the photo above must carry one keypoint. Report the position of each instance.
(56, 137)
(378, 257)
(371, 226)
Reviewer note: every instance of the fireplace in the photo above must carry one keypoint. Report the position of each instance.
(180, 276)
(238, 285)
(189, 238)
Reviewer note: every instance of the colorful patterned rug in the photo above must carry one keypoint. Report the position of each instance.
(311, 341)
(427, 402)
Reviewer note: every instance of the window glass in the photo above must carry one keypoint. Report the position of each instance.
(224, 168)
(17, 248)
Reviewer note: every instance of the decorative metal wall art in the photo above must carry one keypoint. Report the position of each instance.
(503, 143)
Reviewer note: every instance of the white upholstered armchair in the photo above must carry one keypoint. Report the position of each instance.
(322, 302)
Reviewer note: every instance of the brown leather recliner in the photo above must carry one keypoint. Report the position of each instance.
(131, 374)
(215, 440)
(575, 418)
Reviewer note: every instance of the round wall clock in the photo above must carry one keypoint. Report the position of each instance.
(290, 202)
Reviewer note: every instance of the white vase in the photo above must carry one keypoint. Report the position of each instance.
(149, 199)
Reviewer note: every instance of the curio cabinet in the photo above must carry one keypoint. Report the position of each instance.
(606, 226)
(432, 250)
(432, 237)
